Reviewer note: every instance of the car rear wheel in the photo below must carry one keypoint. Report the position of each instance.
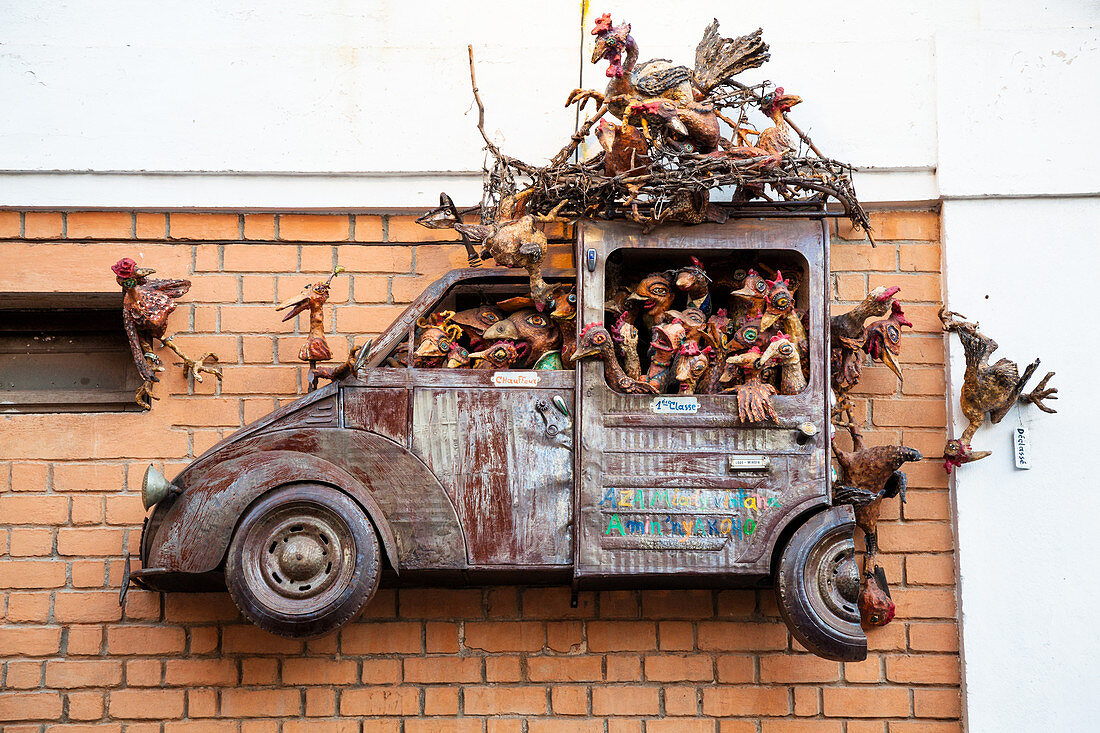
(817, 586)
(303, 562)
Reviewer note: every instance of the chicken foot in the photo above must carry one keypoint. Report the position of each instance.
(145, 393)
(195, 368)
(1040, 393)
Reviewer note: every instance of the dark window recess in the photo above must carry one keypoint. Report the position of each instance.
(65, 352)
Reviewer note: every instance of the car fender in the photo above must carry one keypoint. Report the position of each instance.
(416, 522)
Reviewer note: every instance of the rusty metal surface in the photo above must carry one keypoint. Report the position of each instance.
(383, 411)
(656, 494)
(416, 520)
(507, 466)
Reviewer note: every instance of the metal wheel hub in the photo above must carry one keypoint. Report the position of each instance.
(298, 556)
(836, 579)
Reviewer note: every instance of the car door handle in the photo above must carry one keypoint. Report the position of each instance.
(543, 408)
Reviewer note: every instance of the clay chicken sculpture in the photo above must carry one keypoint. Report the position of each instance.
(883, 340)
(779, 309)
(870, 474)
(146, 305)
(499, 355)
(847, 335)
(776, 140)
(312, 298)
(665, 342)
(512, 239)
(475, 320)
(565, 316)
(782, 350)
(876, 608)
(690, 365)
(719, 337)
(433, 346)
(753, 296)
(753, 394)
(694, 281)
(626, 336)
(595, 340)
(540, 333)
(987, 388)
(655, 295)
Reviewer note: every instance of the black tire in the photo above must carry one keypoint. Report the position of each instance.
(303, 562)
(817, 586)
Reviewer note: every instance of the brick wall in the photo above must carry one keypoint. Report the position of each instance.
(486, 659)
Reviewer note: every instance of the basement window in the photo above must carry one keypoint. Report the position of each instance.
(65, 352)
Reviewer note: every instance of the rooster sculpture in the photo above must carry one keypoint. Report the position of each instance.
(596, 341)
(883, 340)
(987, 388)
(847, 335)
(146, 305)
(312, 298)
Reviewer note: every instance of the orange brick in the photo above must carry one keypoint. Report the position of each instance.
(259, 226)
(380, 701)
(260, 380)
(624, 668)
(920, 257)
(745, 701)
(366, 319)
(923, 669)
(569, 700)
(145, 640)
(317, 258)
(204, 226)
(436, 603)
(505, 636)
(937, 703)
(934, 637)
(381, 638)
(83, 542)
(261, 703)
(930, 570)
(147, 704)
(862, 257)
(736, 603)
(436, 259)
(191, 607)
(736, 668)
(319, 671)
(437, 725)
(85, 607)
(604, 636)
(915, 287)
(735, 636)
(628, 700)
(790, 668)
(807, 701)
(503, 668)
(31, 607)
(65, 674)
(674, 668)
(89, 509)
(151, 226)
(87, 477)
(848, 287)
(368, 228)
(23, 675)
(42, 225)
(314, 228)
(450, 670)
(891, 225)
(375, 258)
(10, 224)
(99, 225)
(25, 706)
(503, 700)
(371, 288)
(259, 670)
(676, 635)
(867, 671)
(26, 542)
(34, 509)
(260, 257)
(902, 412)
(925, 726)
(85, 705)
(381, 671)
(917, 537)
(865, 702)
(200, 672)
(802, 726)
(678, 604)
(565, 669)
(31, 574)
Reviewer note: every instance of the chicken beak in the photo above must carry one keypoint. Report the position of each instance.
(298, 302)
(891, 362)
(501, 330)
(747, 293)
(768, 320)
(428, 348)
(144, 271)
(636, 297)
(590, 351)
(677, 126)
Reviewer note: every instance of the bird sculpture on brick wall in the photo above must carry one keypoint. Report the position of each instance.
(883, 340)
(146, 305)
(312, 298)
(876, 608)
(987, 388)
(847, 336)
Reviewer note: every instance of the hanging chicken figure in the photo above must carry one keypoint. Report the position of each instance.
(987, 388)
(146, 305)
(313, 298)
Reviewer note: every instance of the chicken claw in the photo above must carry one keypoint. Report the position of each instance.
(582, 97)
(1040, 393)
(144, 394)
(197, 368)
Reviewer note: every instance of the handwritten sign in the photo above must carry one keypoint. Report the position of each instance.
(1021, 445)
(674, 405)
(515, 379)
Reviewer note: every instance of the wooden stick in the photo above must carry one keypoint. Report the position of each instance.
(578, 136)
(480, 107)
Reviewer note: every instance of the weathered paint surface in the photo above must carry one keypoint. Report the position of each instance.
(382, 411)
(510, 479)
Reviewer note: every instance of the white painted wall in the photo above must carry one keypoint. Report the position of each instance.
(985, 105)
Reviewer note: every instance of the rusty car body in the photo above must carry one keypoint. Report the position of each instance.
(476, 476)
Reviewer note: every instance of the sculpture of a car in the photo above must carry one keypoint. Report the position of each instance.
(475, 476)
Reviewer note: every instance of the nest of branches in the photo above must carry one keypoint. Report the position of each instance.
(677, 183)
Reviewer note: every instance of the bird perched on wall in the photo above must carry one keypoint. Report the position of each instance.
(753, 394)
(876, 608)
(869, 475)
(146, 305)
(312, 298)
(847, 335)
(987, 388)
(541, 335)
(595, 340)
(511, 239)
(883, 339)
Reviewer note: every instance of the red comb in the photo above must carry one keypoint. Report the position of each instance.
(603, 24)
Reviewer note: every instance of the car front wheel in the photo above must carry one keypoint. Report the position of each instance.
(303, 562)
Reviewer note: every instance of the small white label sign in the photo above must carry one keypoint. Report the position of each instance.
(749, 463)
(515, 379)
(1021, 447)
(674, 405)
